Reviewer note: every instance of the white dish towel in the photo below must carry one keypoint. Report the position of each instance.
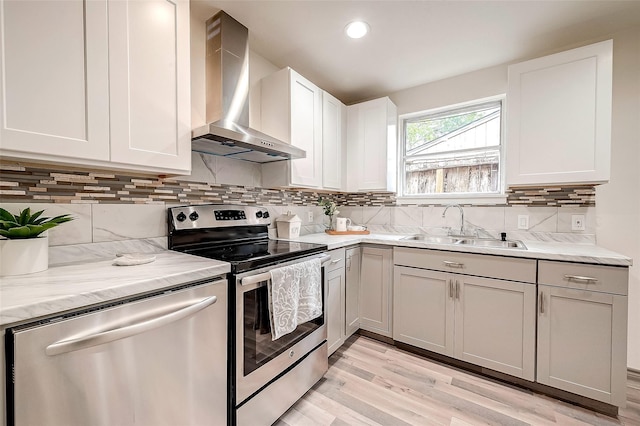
(295, 296)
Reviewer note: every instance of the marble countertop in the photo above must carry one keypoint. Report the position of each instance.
(79, 284)
(572, 252)
(85, 275)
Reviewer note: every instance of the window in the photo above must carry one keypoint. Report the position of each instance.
(453, 152)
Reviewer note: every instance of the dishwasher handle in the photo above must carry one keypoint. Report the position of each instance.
(64, 346)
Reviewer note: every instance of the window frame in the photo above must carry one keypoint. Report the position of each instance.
(447, 198)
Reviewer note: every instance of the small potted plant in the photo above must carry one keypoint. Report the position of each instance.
(330, 209)
(23, 250)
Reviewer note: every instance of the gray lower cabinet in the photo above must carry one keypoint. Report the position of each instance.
(485, 321)
(376, 274)
(335, 301)
(582, 329)
(423, 309)
(352, 291)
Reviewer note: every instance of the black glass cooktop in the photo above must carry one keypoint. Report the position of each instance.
(246, 256)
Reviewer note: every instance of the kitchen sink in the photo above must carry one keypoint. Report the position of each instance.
(478, 242)
(493, 243)
(432, 239)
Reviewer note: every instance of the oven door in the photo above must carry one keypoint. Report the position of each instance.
(259, 359)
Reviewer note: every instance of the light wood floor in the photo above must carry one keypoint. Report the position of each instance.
(372, 383)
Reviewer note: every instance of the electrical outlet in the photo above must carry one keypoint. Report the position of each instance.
(523, 221)
(577, 222)
(310, 217)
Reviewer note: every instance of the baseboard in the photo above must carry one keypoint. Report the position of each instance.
(376, 336)
(633, 374)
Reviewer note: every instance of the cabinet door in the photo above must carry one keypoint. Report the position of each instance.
(495, 324)
(149, 83)
(423, 313)
(371, 147)
(335, 309)
(54, 96)
(352, 291)
(559, 117)
(375, 290)
(306, 131)
(582, 342)
(333, 134)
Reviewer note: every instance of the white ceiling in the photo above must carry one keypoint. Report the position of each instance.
(413, 42)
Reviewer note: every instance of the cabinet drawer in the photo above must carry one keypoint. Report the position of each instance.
(506, 268)
(606, 279)
(337, 260)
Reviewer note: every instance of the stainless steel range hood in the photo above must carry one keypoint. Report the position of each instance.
(227, 85)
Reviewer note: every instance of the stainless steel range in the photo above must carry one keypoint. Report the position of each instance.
(266, 376)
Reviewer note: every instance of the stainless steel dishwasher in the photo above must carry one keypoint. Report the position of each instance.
(160, 359)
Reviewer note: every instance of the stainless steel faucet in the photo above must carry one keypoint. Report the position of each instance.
(461, 216)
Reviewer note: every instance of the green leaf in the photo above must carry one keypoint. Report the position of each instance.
(19, 232)
(7, 224)
(35, 216)
(24, 216)
(38, 229)
(5, 215)
(61, 219)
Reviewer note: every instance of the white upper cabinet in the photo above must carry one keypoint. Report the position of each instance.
(334, 127)
(100, 83)
(371, 146)
(149, 83)
(559, 117)
(55, 92)
(291, 110)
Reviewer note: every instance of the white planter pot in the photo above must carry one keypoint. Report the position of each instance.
(23, 256)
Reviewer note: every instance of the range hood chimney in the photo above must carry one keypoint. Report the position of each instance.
(227, 86)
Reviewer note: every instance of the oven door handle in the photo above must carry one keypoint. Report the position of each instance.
(252, 279)
(266, 276)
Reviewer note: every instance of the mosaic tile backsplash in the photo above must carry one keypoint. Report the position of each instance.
(114, 207)
(19, 183)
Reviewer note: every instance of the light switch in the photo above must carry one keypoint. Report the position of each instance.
(310, 217)
(523, 221)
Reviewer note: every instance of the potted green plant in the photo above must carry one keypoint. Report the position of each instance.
(330, 209)
(23, 248)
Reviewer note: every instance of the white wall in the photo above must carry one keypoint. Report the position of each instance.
(467, 87)
(618, 202)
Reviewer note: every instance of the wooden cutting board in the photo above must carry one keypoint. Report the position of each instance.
(332, 232)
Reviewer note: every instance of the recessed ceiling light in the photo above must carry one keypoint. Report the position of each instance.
(357, 29)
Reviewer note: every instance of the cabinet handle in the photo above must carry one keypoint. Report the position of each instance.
(580, 278)
(541, 302)
(453, 264)
(102, 337)
(333, 262)
(457, 290)
(451, 289)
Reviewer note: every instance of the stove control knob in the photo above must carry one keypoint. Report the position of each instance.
(181, 217)
(194, 216)
(258, 214)
(265, 215)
